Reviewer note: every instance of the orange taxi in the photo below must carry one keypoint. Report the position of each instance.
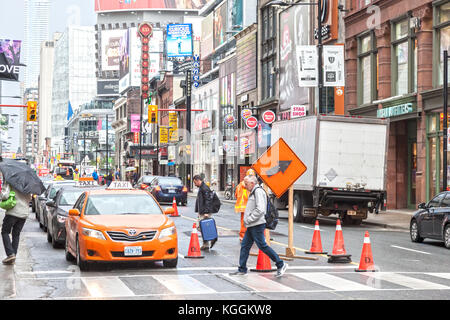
(120, 223)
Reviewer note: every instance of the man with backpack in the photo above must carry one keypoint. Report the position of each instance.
(255, 221)
(207, 203)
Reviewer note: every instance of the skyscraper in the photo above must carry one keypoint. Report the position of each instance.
(37, 20)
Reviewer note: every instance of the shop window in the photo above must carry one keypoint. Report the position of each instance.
(442, 38)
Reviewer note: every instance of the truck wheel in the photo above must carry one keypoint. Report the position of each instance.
(299, 203)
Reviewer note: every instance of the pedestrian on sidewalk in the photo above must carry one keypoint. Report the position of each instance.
(241, 195)
(13, 222)
(255, 222)
(203, 206)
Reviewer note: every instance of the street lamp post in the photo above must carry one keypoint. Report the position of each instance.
(445, 120)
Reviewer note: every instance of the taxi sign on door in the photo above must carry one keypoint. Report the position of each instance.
(279, 167)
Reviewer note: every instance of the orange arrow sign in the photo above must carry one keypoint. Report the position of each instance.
(279, 167)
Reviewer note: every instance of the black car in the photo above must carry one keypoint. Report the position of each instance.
(164, 189)
(35, 199)
(58, 211)
(432, 220)
(49, 194)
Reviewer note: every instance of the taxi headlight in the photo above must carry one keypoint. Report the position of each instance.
(167, 232)
(93, 233)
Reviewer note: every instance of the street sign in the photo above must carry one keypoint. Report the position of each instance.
(251, 122)
(268, 116)
(279, 167)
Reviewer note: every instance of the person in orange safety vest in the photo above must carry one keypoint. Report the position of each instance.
(241, 195)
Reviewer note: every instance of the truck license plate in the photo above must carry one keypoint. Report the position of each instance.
(351, 212)
(133, 251)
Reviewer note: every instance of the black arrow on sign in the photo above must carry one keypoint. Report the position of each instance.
(281, 166)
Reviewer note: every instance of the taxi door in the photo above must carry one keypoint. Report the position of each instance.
(72, 222)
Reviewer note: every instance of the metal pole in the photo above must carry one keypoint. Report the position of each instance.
(107, 146)
(445, 121)
(319, 51)
(140, 141)
(188, 124)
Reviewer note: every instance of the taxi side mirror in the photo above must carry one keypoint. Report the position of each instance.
(74, 212)
(169, 211)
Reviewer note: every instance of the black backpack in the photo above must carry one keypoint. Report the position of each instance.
(271, 215)
(213, 201)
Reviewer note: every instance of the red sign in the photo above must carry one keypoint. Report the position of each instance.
(146, 30)
(251, 122)
(268, 116)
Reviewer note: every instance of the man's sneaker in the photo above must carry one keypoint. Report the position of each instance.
(238, 273)
(282, 270)
(10, 259)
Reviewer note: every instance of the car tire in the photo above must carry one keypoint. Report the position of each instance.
(171, 263)
(83, 265)
(299, 203)
(49, 236)
(55, 244)
(447, 236)
(414, 232)
(69, 256)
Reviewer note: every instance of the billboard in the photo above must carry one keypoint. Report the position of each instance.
(117, 5)
(10, 59)
(235, 17)
(294, 26)
(111, 49)
(220, 25)
(207, 42)
(179, 40)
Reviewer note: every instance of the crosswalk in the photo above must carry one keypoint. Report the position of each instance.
(201, 284)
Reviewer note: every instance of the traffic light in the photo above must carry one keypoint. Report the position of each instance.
(152, 114)
(31, 111)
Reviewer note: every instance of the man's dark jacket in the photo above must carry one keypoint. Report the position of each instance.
(203, 203)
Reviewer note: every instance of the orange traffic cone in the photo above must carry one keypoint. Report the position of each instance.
(366, 261)
(316, 245)
(194, 245)
(174, 206)
(263, 263)
(339, 254)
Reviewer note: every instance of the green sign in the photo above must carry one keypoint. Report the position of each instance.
(395, 111)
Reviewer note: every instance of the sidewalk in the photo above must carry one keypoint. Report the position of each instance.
(394, 219)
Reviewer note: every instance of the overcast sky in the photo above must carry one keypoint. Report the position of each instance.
(62, 13)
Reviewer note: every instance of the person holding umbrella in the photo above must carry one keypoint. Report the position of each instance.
(23, 181)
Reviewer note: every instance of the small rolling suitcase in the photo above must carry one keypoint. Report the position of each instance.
(208, 229)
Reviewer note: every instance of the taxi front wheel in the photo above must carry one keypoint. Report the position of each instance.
(83, 265)
(171, 263)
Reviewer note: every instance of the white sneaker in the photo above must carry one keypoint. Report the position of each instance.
(282, 270)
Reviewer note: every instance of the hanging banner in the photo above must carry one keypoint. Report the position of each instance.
(333, 66)
(173, 127)
(163, 135)
(307, 66)
(10, 59)
(135, 122)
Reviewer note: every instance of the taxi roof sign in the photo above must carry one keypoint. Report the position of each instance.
(279, 167)
(86, 183)
(120, 185)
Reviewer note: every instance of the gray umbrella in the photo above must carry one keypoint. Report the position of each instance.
(21, 177)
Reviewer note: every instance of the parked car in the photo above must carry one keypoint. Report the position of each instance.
(50, 194)
(145, 181)
(58, 211)
(35, 199)
(432, 220)
(164, 189)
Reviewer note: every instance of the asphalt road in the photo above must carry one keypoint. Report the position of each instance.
(405, 270)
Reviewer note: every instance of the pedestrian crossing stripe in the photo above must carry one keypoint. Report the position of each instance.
(224, 283)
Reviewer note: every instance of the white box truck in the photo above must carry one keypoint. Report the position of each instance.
(346, 165)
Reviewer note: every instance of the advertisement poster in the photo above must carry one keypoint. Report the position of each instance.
(333, 66)
(108, 5)
(207, 43)
(111, 49)
(10, 59)
(220, 25)
(293, 23)
(179, 40)
(135, 122)
(308, 73)
(235, 16)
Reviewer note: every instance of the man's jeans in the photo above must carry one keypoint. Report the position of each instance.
(12, 225)
(256, 234)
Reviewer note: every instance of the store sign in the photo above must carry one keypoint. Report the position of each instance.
(202, 121)
(229, 119)
(268, 116)
(395, 111)
(251, 122)
(298, 111)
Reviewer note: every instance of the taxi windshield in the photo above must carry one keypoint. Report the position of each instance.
(115, 204)
(68, 198)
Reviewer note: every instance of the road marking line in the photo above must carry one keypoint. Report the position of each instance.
(107, 287)
(183, 284)
(259, 283)
(405, 281)
(440, 275)
(410, 249)
(43, 272)
(333, 282)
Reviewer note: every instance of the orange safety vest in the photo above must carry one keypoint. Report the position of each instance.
(241, 198)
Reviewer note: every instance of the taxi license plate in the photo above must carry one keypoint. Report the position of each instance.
(351, 213)
(133, 251)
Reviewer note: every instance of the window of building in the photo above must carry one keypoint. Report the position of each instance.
(404, 58)
(268, 58)
(441, 38)
(368, 69)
